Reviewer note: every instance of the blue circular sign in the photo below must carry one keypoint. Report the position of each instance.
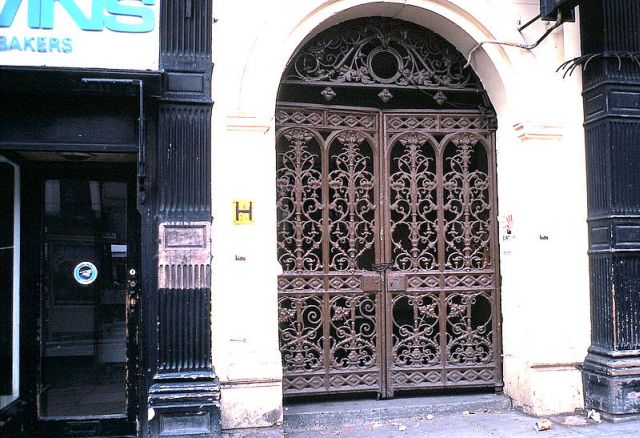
(85, 273)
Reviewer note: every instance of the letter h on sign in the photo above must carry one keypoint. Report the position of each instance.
(242, 212)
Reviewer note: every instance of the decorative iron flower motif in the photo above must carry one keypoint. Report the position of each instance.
(286, 315)
(341, 313)
(457, 310)
(353, 357)
(428, 310)
(440, 98)
(328, 94)
(385, 95)
(360, 74)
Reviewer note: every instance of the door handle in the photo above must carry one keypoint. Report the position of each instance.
(132, 289)
(132, 281)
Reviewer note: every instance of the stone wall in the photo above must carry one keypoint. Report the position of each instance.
(541, 187)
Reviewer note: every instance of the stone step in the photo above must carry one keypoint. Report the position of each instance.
(350, 412)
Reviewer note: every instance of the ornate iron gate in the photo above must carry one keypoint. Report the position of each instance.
(386, 218)
(387, 240)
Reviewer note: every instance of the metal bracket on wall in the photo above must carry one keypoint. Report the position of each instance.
(141, 173)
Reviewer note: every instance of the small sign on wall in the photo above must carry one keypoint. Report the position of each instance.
(243, 211)
(85, 273)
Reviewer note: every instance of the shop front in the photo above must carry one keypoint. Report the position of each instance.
(104, 161)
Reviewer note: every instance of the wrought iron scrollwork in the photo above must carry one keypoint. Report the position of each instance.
(351, 205)
(385, 231)
(467, 207)
(299, 184)
(414, 228)
(300, 321)
(423, 226)
(385, 52)
(470, 336)
(353, 324)
(326, 230)
(416, 331)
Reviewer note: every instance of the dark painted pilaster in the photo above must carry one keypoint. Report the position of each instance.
(612, 135)
(183, 389)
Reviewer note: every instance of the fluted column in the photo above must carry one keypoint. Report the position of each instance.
(183, 389)
(611, 83)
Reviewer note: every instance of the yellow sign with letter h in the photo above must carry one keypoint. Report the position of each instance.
(243, 211)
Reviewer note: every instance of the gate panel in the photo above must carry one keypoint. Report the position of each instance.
(351, 202)
(353, 336)
(413, 203)
(301, 316)
(329, 302)
(470, 273)
(414, 311)
(467, 203)
(299, 186)
(441, 294)
(387, 243)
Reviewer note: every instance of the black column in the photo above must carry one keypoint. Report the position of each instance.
(183, 389)
(611, 83)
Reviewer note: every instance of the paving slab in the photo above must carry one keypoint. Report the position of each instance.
(350, 412)
(407, 418)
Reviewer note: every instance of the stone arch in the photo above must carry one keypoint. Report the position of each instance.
(463, 28)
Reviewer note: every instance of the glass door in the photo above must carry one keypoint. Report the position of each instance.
(89, 258)
(9, 283)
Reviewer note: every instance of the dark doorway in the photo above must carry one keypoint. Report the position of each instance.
(88, 234)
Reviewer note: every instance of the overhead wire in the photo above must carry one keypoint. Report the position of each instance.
(555, 25)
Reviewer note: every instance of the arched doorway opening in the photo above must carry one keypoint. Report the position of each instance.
(386, 201)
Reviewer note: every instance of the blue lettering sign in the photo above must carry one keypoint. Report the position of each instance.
(93, 22)
(42, 44)
(28, 44)
(66, 45)
(35, 44)
(145, 14)
(33, 14)
(54, 43)
(104, 13)
(8, 13)
(15, 44)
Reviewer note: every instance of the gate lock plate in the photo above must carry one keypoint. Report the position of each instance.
(397, 282)
(371, 283)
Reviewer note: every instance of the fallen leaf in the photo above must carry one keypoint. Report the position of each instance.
(543, 424)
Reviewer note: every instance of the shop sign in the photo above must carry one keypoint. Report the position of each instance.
(117, 34)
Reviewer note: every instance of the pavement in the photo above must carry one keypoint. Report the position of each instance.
(461, 416)
(509, 423)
